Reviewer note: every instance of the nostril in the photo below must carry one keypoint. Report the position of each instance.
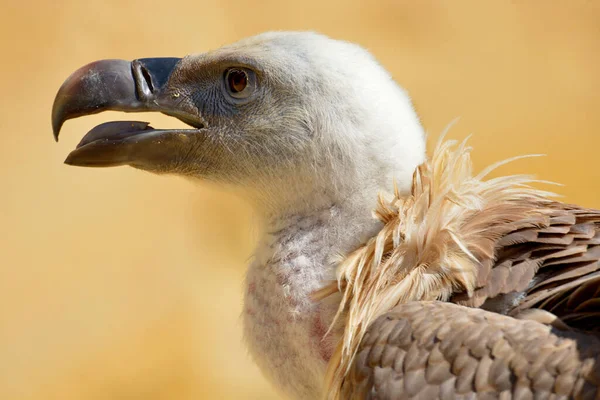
(144, 86)
(151, 75)
(147, 78)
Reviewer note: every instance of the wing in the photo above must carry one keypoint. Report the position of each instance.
(438, 350)
(553, 266)
(546, 277)
(500, 245)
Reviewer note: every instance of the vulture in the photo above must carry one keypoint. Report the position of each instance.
(379, 273)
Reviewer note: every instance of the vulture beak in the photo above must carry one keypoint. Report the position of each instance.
(140, 85)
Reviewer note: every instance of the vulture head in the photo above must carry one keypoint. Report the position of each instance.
(292, 118)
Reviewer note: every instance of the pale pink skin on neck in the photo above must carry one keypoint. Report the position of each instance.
(284, 329)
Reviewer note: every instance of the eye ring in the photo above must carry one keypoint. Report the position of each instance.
(239, 82)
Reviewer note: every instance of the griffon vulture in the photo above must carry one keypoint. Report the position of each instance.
(452, 286)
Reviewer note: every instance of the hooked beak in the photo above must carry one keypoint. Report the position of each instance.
(118, 85)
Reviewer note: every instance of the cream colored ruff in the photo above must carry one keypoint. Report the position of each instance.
(430, 245)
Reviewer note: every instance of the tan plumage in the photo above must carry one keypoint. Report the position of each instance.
(459, 238)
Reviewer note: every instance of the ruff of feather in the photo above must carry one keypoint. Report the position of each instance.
(430, 246)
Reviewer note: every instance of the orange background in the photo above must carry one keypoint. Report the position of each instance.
(116, 284)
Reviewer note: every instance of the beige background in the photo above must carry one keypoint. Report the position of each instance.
(115, 284)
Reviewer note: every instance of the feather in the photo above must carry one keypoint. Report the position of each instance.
(432, 243)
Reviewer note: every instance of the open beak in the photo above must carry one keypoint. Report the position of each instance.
(140, 85)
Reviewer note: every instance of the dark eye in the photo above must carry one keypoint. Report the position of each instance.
(238, 82)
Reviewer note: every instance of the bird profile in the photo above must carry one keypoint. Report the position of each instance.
(380, 273)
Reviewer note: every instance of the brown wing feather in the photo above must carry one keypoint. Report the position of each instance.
(547, 276)
(435, 350)
(543, 267)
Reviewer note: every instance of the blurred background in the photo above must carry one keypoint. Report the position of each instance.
(116, 284)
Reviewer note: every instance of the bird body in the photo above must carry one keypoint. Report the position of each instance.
(498, 244)
(310, 131)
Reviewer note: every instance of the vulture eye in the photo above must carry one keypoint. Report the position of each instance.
(239, 82)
